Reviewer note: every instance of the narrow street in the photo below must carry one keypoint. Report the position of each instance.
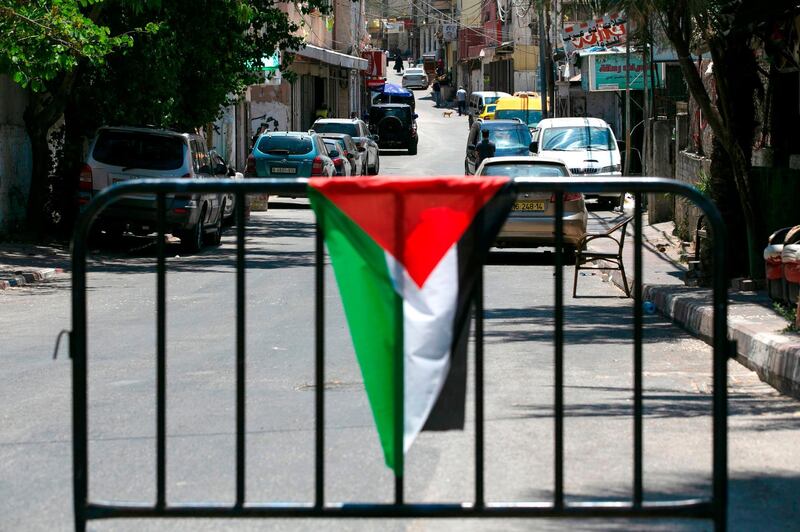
(35, 441)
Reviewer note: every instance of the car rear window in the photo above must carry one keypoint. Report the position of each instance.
(285, 145)
(507, 137)
(139, 150)
(524, 170)
(336, 127)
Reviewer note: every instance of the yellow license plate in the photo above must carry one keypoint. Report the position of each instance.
(529, 206)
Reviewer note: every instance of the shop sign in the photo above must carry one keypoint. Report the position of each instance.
(606, 72)
(449, 32)
(608, 30)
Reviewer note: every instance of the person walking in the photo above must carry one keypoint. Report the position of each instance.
(398, 62)
(461, 98)
(436, 89)
(484, 149)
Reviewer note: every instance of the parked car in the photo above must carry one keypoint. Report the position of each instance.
(292, 154)
(511, 137)
(488, 112)
(526, 108)
(478, 100)
(336, 153)
(358, 159)
(221, 168)
(395, 125)
(415, 78)
(365, 141)
(119, 154)
(532, 219)
(587, 145)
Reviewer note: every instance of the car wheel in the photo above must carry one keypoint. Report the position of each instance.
(215, 238)
(227, 222)
(412, 150)
(192, 239)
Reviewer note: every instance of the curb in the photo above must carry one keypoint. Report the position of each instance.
(775, 357)
(22, 278)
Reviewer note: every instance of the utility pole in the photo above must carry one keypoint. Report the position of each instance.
(548, 50)
(542, 63)
(646, 97)
(627, 169)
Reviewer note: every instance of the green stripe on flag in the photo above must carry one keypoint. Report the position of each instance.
(373, 310)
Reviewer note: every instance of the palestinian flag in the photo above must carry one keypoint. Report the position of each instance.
(406, 253)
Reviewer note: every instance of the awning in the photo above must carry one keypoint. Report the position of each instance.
(396, 90)
(330, 57)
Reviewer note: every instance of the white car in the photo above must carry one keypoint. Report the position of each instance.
(586, 145)
(415, 78)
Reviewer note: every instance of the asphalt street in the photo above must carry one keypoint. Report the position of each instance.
(35, 435)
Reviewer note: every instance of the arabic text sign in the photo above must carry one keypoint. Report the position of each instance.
(606, 72)
(608, 30)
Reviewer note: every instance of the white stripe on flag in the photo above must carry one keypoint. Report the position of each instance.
(428, 316)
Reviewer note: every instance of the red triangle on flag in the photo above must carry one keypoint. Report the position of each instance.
(416, 219)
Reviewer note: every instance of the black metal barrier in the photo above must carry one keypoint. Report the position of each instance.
(713, 508)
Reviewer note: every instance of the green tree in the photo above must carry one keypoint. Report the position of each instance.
(172, 64)
(43, 42)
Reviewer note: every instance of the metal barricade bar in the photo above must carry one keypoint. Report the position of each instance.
(713, 508)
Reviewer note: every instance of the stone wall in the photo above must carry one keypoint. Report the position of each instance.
(15, 156)
(688, 168)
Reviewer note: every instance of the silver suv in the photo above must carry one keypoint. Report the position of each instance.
(119, 154)
(366, 142)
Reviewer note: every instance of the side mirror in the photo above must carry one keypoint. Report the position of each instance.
(534, 147)
(416, 116)
(205, 169)
(350, 155)
(333, 154)
(470, 146)
(362, 149)
(376, 138)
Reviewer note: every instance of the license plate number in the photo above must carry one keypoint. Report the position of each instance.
(283, 170)
(529, 206)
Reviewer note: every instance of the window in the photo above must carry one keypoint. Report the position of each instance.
(524, 170)
(348, 128)
(506, 137)
(285, 145)
(139, 150)
(577, 138)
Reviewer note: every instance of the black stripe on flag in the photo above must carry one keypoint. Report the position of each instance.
(449, 411)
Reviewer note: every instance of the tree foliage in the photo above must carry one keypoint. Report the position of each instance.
(40, 39)
(136, 62)
(202, 56)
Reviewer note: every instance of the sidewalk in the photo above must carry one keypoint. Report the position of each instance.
(23, 264)
(757, 329)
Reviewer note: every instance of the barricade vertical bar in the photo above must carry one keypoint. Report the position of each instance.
(77, 344)
(637, 350)
(559, 352)
(720, 408)
(399, 385)
(319, 364)
(161, 358)
(479, 493)
(241, 472)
